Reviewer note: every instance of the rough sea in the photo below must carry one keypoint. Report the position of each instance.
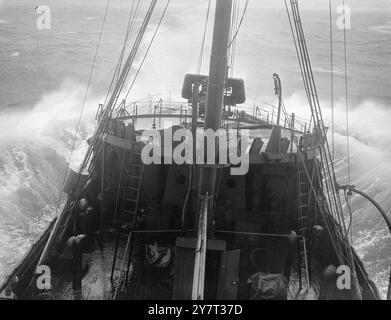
(44, 74)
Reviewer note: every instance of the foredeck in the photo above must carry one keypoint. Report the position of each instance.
(96, 283)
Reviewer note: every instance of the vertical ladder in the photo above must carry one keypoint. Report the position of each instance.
(126, 213)
(303, 217)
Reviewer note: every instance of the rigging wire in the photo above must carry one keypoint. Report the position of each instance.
(298, 56)
(85, 97)
(199, 64)
(334, 200)
(98, 138)
(230, 50)
(60, 216)
(240, 23)
(192, 167)
(332, 82)
(108, 110)
(88, 85)
(131, 23)
(149, 47)
(348, 199)
(333, 203)
(325, 154)
(346, 94)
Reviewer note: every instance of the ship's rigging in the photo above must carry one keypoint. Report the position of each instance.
(108, 110)
(334, 204)
(214, 89)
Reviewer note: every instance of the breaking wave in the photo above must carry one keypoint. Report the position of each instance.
(34, 149)
(35, 142)
(384, 29)
(370, 151)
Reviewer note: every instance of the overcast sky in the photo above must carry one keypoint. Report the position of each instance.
(359, 5)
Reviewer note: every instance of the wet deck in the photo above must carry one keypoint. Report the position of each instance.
(96, 283)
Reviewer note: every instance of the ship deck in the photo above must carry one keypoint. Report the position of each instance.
(97, 283)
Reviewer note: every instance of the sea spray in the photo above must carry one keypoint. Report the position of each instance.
(34, 150)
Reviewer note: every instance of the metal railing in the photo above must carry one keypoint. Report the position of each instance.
(265, 114)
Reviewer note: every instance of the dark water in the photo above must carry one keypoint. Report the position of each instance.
(44, 75)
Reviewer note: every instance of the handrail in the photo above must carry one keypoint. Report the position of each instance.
(259, 114)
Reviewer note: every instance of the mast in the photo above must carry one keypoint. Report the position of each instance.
(214, 106)
(213, 111)
(215, 95)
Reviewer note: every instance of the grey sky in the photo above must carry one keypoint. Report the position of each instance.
(380, 6)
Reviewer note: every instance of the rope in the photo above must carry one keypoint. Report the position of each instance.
(133, 19)
(276, 235)
(98, 140)
(297, 51)
(149, 47)
(346, 95)
(107, 114)
(240, 23)
(131, 22)
(199, 64)
(327, 165)
(333, 200)
(88, 85)
(84, 101)
(330, 230)
(332, 82)
(347, 198)
(234, 24)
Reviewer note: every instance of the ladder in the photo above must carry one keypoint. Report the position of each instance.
(126, 213)
(303, 205)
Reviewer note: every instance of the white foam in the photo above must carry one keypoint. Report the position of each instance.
(384, 29)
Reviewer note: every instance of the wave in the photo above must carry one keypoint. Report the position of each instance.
(69, 32)
(35, 144)
(337, 71)
(370, 151)
(34, 149)
(384, 29)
